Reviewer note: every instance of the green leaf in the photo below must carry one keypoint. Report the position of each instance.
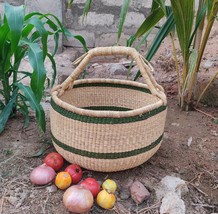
(209, 4)
(197, 24)
(183, 11)
(153, 18)
(38, 24)
(6, 112)
(24, 109)
(40, 114)
(159, 37)
(161, 34)
(78, 37)
(15, 19)
(35, 56)
(123, 13)
(54, 68)
(87, 7)
(70, 4)
(158, 3)
(130, 41)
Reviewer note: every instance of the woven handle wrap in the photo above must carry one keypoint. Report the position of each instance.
(144, 67)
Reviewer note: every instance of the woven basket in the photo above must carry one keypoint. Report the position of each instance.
(108, 125)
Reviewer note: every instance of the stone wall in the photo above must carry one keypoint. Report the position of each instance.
(100, 27)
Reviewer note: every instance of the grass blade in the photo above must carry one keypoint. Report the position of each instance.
(123, 13)
(40, 114)
(15, 19)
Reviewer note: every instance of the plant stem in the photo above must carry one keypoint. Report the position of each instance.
(6, 89)
(177, 67)
(202, 47)
(207, 86)
(199, 33)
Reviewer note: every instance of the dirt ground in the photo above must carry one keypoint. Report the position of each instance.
(189, 151)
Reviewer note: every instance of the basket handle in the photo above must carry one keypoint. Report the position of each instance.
(144, 67)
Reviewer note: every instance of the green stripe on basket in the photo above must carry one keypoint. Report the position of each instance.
(107, 155)
(105, 120)
(113, 85)
(107, 108)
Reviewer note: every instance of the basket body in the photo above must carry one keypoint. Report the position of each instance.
(107, 143)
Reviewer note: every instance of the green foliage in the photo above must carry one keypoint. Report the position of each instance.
(26, 36)
(123, 13)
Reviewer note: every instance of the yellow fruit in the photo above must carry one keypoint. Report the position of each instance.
(63, 180)
(109, 185)
(106, 200)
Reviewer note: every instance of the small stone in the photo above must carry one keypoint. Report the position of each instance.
(124, 194)
(116, 69)
(208, 64)
(175, 124)
(166, 136)
(52, 188)
(171, 184)
(172, 204)
(138, 192)
(13, 200)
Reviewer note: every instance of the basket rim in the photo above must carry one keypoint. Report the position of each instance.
(111, 114)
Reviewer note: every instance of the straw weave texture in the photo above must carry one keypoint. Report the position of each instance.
(108, 125)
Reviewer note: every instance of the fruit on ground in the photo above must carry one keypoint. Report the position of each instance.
(109, 185)
(75, 173)
(54, 160)
(92, 185)
(63, 180)
(78, 199)
(105, 199)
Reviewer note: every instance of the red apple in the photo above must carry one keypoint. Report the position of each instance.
(76, 173)
(92, 185)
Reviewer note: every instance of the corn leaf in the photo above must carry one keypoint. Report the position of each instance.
(35, 56)
(77, 37)
(40, 114)
(54, 68)
(15, 19)
(183, 12)
(38, 24)
(123, 13)
(6, 112)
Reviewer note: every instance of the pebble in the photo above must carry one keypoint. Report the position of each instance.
(138, 192)
(52, 188)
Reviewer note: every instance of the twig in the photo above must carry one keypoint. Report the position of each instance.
(204, 205)
(199, 190)
(2, 202)
(207, 86)
(43, 206)
(204, 113)
(156, 205)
